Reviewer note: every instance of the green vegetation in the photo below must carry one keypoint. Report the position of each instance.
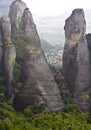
(22, 46)
(18, 39)
(46, 46)
(32, 49)
(71, 119)
(2, 90)
(39, 117)
(88, 36)
(16, 71)
(63, 86)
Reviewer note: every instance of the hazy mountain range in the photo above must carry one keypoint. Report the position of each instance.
(51, 28)
(47, 47)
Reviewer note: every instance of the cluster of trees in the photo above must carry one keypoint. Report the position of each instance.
(62, 84)
(40, 118)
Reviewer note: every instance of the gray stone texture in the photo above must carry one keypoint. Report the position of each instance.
(76, 64)
(9, 54)
(38, 85)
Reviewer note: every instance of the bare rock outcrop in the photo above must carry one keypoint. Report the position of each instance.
(16, 12)
(76, 64)
(30, 30)
(35, 83)
(38, 85)
(9, 55)
(1, 47)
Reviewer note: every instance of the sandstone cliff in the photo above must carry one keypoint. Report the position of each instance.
(7, 55)
(38, 85)
(21, 56)
(76, 65)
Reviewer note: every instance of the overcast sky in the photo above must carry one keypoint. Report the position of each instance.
(52, 7)
(44, 8)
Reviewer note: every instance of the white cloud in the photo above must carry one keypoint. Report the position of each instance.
(51, 7)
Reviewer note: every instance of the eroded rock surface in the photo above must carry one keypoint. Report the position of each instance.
(38, 85)
(9, 55)
(4, 7)
(76, 64)
(16, 11)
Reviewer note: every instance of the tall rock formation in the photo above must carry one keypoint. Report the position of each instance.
(76, 66)
(16, 11)
(8, 54)
(38, 85)
(1, 46)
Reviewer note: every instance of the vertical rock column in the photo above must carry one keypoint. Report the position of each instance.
(38, 85)
(76, 64)
(16, 10)
(1, 48)
(9, 55)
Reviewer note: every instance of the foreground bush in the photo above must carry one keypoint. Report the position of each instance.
(45, 120)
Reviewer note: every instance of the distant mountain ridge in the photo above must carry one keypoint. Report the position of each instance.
(48, 47)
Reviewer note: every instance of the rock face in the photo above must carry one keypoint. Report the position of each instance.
(76, 66)
(16, 11)
(9, 55)
(37, 81)
(1, 47)
(38, 85)
(30, 29)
